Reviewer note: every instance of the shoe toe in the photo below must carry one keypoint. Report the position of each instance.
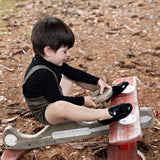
(118, 112)
(126, 110)
(122, 110)
(117, 89)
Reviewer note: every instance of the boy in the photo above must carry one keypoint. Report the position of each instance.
(48, 80)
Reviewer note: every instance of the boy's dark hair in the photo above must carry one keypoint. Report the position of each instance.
(51, 32)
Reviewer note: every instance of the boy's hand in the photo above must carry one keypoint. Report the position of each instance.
(103, 85)
(89, 101)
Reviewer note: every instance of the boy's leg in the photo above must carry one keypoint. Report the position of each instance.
(67, 84)
(88, 86)
(60, 110)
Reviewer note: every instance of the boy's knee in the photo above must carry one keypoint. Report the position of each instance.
(56, 107)
(55, 112)
(59, 105)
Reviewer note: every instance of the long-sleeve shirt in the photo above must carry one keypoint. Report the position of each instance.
(43, 83)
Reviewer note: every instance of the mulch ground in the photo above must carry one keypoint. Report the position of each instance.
(113, 39)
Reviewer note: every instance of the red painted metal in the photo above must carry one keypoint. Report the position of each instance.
(156, 113)
(116, 153)
(12, 154)
(127, 146)
(123, 138)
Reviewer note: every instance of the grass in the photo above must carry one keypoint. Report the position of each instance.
(7, 6)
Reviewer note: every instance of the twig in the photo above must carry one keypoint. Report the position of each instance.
(24, 52)
(35, 155)
(157, 121)
(100, 151)
(4, 121)
(156, 128)
(129, 28)
(81, 145)
(9, 69)
(142, 83)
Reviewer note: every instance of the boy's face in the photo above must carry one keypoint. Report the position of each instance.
(58, 57)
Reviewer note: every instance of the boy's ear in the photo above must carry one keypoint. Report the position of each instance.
(47, 51)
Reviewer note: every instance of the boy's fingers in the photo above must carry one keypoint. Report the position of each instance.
(101, 90)
(94, 105)
(108, 86)
(93, 98)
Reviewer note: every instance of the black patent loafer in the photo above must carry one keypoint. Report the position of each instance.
(117, 89)
(118, 112)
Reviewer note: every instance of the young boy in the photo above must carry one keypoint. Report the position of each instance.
(48, 80)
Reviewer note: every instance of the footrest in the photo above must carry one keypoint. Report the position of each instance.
(129, 131)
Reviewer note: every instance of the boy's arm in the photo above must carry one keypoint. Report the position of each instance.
(82, 76)
(51, 90)
(43, 83)
(78, 75)
(103, 85)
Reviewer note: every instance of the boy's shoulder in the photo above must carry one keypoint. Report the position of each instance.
(40, 74)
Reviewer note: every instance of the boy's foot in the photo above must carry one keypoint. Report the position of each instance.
(118, 112)
(117, 89)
